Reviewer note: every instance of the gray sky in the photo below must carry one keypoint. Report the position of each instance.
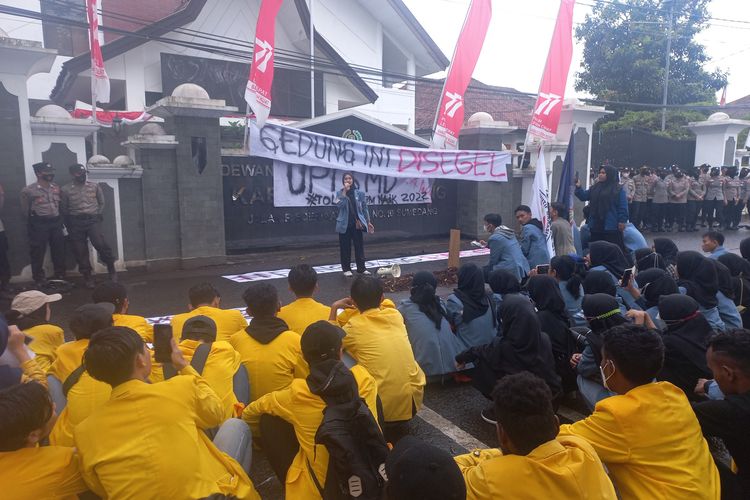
(517, 42)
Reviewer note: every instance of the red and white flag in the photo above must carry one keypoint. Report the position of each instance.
(540, 201)
(450, 116)
(552, 89)
(100, 84)
(258, 90)
(723, 101)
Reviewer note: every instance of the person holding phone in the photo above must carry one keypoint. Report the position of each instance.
(608, 204)
(353, 220)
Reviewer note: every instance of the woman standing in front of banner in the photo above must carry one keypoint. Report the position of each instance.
(353, 220)
(608, 205)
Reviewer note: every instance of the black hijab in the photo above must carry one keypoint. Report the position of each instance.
(699, 277)
(602, 312)
(667, 249)
(725, 279)
(471, 292)
(739, 268)
(684, 341)
(745, 248)
(646, 258)
(736, 264)
(609, 255)
(423, 287)
(599, 282)
(503, 282)
(545, 292)
(654, 283)
(604, 194)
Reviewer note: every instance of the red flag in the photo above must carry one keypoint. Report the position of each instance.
(450, 117)
(552, 89)
(723, 101)
(258, 90)
(100, 80)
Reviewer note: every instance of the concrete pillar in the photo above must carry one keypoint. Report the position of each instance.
(716, 139)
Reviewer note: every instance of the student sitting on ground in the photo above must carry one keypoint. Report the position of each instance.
(17, 366)
(28, 470)
(377, 340)
(729, 419)
(268, 348)
(556, 466)
(205, 301)
(647, 434)
(420, 471)
(217, 364)
(432, 340)
(146, 427)
(84, 394)
(471, 309)
(30, 311)
(117, 295)
(698, 278)
(713, 244)
(302, 405)
(565, 270)
(305, 310)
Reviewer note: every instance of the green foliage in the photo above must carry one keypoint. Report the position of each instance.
(676, 126)
(624, 51)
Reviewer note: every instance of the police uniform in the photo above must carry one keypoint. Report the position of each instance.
(713, 200)
(678, 189)
(82, 206)
(732, 196)
(641, 187)
(694, 201)
(660, 204)
(41, 204)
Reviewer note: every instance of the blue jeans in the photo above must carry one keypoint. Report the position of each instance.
(235, 439)
(592, 392)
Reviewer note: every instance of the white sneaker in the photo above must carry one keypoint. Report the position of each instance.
(366, 272)
(348, 274)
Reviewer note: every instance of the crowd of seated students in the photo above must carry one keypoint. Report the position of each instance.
(661, 359)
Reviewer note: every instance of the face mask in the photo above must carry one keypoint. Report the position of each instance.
(48, 177)
(604, 377)
(486, 229)
(80, 179)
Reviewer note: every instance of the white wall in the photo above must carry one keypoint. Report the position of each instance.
(709, 147)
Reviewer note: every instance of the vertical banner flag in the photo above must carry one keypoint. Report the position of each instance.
(450, 115)
(548, 106)
(723, 101)
(100, 84)
(540, 201)
(568, 182)
(258, 90)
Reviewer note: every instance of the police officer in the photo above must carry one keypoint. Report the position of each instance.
(82, 206)
(732, 199)
(40, 203)
(713, 201)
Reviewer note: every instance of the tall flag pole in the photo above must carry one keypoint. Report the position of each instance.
(450, 113)
(723, 101)
(547, 109)
(258, 89)
(99, 78)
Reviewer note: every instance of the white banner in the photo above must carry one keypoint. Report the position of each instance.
(540, 201)
(303, 186)
(297, 146)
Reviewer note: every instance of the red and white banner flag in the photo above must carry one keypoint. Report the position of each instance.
(258, 90)
(552, 89)
(450, 116)
(540, 201)
(723, 101)
(100, 84)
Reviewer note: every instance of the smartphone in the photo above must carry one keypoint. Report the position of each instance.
(626, 277)
(163, 343)
(542, 269)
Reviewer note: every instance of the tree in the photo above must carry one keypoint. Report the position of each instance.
(624, 51)
(677, 121)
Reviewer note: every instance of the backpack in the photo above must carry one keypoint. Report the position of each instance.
(357, 451)
(198, 362)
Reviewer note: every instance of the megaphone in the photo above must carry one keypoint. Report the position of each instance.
(392, 270)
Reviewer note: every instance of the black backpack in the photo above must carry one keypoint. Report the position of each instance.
(357, 451)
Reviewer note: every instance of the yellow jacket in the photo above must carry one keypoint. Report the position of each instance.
(302, 313)
(47, 338)
(304, 410)
(147, 442)
(49, 472)
(228, 321)
(377, 340)
(137, 323)
(271, 366)
(652, 444)
(221, 365)
(566, 467)
(347, 314)
(84, 397)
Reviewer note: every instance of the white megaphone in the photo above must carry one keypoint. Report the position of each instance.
(392, 270)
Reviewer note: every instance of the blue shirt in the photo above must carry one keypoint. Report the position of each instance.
(533, 245)
(633, 239)
(505, 253)
(480, 330)
(720, 250)
(616, 214)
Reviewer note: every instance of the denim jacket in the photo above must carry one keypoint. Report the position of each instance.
(505, 253)
(533, 245)
(342, 202)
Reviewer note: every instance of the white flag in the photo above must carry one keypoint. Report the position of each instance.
(540, 201)
(100, 83)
